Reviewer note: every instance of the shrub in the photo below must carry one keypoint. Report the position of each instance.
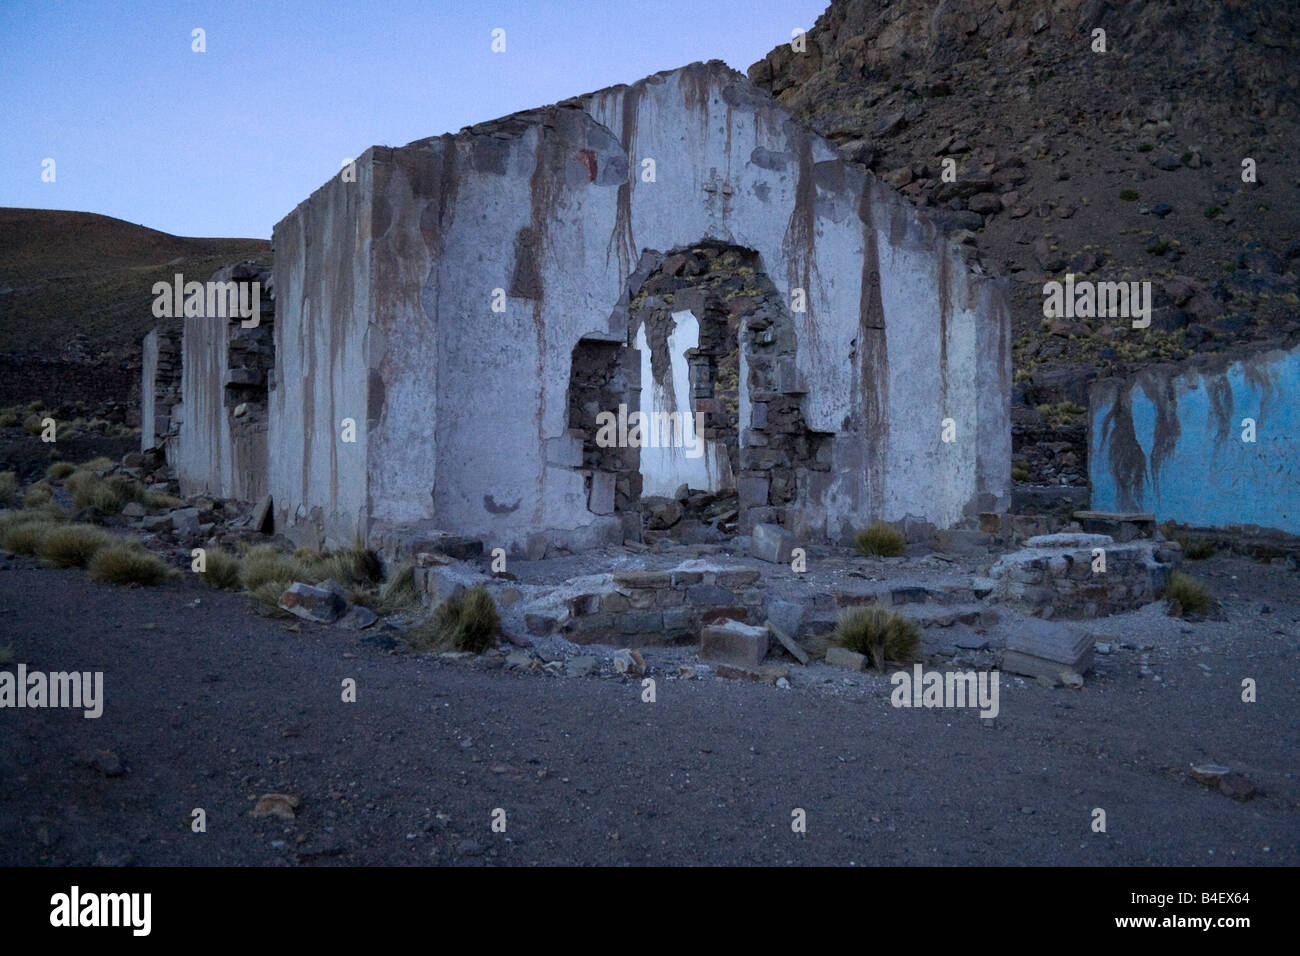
(128, 563)
(73, 545)
(351, 567)
(158, 501)
(6, 656)
(880, 540)
(9, 418)
(95, 492)
(264, 565)
(1212, 211)
(38, 495)
(21, 532)
(1019, 471)
(60, 470)
(1129, 195)
(400, 592)
(1192, 595)
(8, 487)
(32, 424)
(464, 623)
(1145, 147)
(100, 465)
(222, 570)
(878, 634)
(1197, 549)
(1062, 414)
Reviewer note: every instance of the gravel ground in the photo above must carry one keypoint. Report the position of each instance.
(209, 705)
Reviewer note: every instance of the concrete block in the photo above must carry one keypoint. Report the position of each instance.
(734, 643)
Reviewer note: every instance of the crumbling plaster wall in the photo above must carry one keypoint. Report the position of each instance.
(466, 407)
(1169, 441)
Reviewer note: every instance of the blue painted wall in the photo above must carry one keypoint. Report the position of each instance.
(1169, 441)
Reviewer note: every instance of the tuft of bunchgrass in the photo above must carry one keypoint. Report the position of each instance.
(60, 470)
(465, 622)
(880, 540)
(1197, 549)
(38, 495)
(355, 567)
(6, 656)
(21, 532)
(158, 501)
(878, 634)
(128, 563)
(8, 488)
(100, 465)
(400, 592)
(73, 545)
(94, 492)
(1192, 595)
(9, 418)
(264, 564)
(222, 570)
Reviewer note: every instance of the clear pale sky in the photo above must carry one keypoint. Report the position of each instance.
(228, 141)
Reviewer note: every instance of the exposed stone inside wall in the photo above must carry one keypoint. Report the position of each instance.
(251, 355)
(167, 381)
(602, 376)
(745, 328)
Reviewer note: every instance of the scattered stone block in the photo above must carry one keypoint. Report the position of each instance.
(1040, 648)
(580, 666)
(313, 603)
(845, 658)
(734, 643)
(762, 674)
(770, 542)
(788, 642)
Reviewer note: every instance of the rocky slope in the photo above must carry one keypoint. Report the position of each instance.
(1116, 165)
(76, 298)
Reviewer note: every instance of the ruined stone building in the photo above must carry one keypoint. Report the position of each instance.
(467, 306)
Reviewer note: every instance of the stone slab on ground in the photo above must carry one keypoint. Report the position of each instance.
(763, 674)
(788, 643)
(732, 642)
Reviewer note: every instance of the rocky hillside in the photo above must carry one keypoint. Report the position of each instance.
(76, 298)
(1123, 164)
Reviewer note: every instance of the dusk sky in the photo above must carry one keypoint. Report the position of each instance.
(227, 141)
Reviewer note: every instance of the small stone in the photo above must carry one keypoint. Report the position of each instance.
(521, 659)
(782, 683)
(1072, 679)
(282, 806)
(108, 763)
(580, 666)
(358, 618)
(629, 662)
